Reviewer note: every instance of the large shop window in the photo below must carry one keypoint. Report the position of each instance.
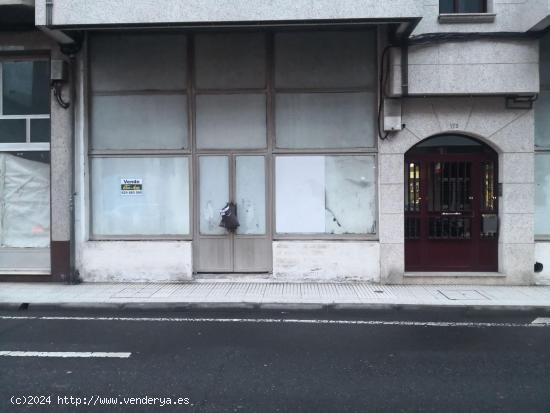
(325, 90)
(542, 194)
(231, 81)
(325, 99)
(24, 153)
(139, 135)
(325, 194)
(542, 145)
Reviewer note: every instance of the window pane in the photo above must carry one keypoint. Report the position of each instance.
(325, 59)
(542, 194)
(139, 122)
(231, 121)
(325, 120)
(26, 88)
(325, 194)
(250, 194)
(138, 62)
(471, 6)
(162, 207)
(25, 200)
(230, 60)
(446, 6)
(545, 62)
(12, 130)
(214, 192)
(40, 130)
(542, 120)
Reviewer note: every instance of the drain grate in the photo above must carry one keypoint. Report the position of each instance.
(462, 295)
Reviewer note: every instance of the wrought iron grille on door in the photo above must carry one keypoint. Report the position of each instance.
(451, 215)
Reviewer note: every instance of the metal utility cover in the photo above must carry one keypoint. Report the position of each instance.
(463, 295)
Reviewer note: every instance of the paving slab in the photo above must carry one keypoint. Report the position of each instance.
(271, 295)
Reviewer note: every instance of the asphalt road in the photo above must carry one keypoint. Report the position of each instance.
(502, 365)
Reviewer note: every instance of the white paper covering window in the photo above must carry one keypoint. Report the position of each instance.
(325, 195)
(213, 192)
(162, 207)
(24, 202)
(250, 194)
(542, 194)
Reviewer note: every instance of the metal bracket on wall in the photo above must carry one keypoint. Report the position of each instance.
(521, 101)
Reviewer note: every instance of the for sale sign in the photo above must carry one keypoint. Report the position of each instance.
(131, 186)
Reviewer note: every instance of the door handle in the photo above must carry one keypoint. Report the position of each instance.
(451, 213)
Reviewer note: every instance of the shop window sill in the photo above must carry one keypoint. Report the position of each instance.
(467, 18)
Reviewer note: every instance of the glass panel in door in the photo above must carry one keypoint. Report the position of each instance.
(250, 194)
(214, 193)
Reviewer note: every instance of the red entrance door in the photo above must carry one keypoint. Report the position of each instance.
(451, 206)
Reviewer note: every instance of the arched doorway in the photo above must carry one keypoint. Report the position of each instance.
(451, 205)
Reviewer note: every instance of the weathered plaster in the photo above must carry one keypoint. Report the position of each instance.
(136, 261)
(326, 260)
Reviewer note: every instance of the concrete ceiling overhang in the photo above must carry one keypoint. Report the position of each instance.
(97, 14)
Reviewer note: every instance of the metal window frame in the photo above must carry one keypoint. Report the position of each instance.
(456, 8)
(26, 146)
(270, 151)
(139, 237)
(277, 236)
(543, 152)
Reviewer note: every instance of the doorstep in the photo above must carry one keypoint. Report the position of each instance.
(456, 274)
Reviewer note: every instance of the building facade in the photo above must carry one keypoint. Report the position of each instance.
(391, 142)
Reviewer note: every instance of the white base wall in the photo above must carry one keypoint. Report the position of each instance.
(136, 261)
(542, 255)
(326, 261)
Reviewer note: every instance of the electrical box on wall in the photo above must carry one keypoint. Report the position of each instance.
(392, 115)
(58, 70)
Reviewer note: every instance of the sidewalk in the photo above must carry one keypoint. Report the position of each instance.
(270, 295)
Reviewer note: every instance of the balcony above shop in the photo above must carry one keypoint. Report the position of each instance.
(16, 14)
(142, 13)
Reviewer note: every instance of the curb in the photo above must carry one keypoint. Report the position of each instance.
(331, 307)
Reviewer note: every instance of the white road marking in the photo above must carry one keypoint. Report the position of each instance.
(284, 321)
(542, 321)
(64, 354)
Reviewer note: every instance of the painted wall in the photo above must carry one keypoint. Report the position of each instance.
(326, 260)
(510, 133)
(136, 261)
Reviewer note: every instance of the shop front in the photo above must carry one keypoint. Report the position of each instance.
(280, 123)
